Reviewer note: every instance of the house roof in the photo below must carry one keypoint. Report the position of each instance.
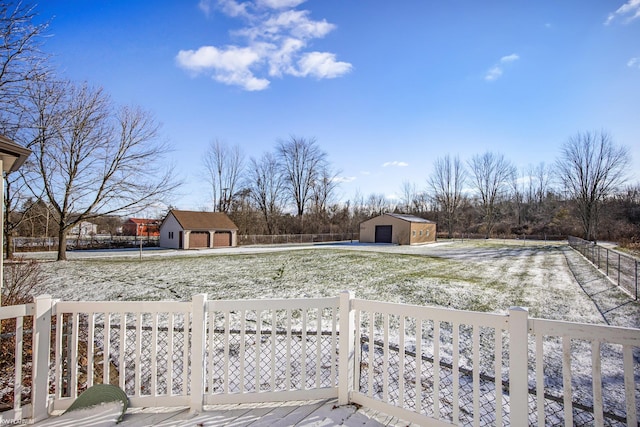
(410, 218)
(12, 154)
(193, 220)
(143, 221)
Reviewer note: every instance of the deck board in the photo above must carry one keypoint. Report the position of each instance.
(314, 413)
(274, 415)
(298, 415)
(138, 418)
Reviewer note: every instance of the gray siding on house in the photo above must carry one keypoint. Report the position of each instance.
(170, 232)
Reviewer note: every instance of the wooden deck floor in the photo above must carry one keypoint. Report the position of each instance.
(278, 414)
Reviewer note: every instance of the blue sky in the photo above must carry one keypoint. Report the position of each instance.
(385, 87)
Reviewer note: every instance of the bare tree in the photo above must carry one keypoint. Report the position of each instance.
(591, 167)
(324, 189)
(224, 166)
(21, 60)
(358, 210)
(409, 196)
(539, 182)
(302, 162)
(447, 182)
(518, 193)
(530, 191)
(378, 204)
(16, 194)
(93, 159)
(421, 202)
(265, 184)
(491, 174)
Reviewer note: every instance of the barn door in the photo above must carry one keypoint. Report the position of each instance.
(383, 234)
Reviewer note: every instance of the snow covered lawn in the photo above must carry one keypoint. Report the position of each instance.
(551, 279)
(481, 275)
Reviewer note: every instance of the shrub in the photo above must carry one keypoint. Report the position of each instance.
(22, 279)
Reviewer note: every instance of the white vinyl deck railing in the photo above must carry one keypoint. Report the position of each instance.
(422, 364)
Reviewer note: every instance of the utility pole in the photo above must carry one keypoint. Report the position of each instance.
(223, 200)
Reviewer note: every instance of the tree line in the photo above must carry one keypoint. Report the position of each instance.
(292, 189)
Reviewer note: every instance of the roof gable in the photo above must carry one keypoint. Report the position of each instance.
(193, 220)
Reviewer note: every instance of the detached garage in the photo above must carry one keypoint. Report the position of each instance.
(197, 230)
(398, 229)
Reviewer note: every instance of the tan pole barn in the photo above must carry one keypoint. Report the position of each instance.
(398, 229)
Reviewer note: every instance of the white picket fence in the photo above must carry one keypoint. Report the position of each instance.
(421, 364)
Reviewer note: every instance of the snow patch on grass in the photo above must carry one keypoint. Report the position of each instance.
(488, 276)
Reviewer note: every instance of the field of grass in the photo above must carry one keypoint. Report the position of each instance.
(485, 276)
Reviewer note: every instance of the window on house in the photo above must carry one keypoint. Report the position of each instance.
(171, 234)
(414, 233)
(421, 232)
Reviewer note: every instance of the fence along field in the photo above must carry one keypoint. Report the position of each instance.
(99, 241)
(620, 268)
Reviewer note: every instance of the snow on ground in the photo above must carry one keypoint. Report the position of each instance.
(552, 280)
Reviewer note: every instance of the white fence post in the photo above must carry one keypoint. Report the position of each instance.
(518, 365)
(198, 331)
(346, 358)
(41, 352)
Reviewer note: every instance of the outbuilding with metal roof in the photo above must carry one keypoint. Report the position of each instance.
(399, 229)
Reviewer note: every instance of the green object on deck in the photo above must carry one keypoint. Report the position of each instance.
(98, 394)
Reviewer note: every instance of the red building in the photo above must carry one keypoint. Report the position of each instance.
(141, 227)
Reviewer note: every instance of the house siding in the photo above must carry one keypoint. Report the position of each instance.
(170, 233)
(83, 229)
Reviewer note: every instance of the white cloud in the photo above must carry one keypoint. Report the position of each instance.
(495, 72)
(509, 58)
(233, 8)
(280, 4)
(281, 57)
(634, 63)
(344, 179)
(231, 58)
(322, 65)
(205, 6)
(395, 163)
(230, 65)
(296, 22)
(276, 38)
(630, 10)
